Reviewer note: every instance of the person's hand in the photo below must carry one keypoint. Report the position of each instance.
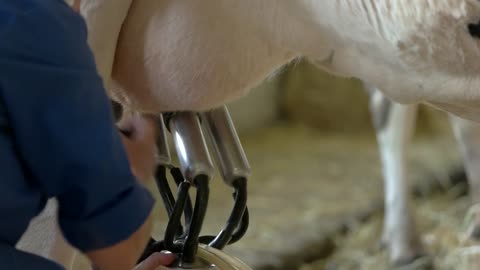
(139, 136)
(76, 5)
(156, 261)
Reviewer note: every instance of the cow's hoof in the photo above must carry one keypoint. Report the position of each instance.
(415, 262)
(474, 233)
(409, 256)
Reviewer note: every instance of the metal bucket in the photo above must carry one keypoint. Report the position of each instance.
(211, 258)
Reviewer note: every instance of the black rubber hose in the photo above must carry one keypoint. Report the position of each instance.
(166, 194)
(164, 189)
(190, 246)
(240, 195)
(175, 219)
(237, 235)
(242, 229)
(178, 177)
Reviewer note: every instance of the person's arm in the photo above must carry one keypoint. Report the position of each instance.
(140, 148)
(128, 250)
(63, 129)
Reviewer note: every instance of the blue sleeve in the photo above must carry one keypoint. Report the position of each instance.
(63, 126)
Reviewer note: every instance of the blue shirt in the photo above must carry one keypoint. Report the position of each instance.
(57, 136)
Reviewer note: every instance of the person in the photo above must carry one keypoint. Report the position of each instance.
(58, 140)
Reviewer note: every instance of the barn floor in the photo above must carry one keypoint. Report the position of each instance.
(316, 203)
(311, 194)
(441, 218)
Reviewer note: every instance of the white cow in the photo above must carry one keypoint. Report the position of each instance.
(170, 55)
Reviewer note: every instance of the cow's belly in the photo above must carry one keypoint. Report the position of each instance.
(455, 93)
(184, 55)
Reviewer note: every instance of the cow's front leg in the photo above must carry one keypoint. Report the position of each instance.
(467, 135)
(44, 238)
(394, 125)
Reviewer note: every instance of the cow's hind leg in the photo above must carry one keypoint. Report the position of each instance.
(394, 126)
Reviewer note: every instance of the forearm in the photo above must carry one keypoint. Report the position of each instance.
(140, 146)
(76, 5)
(125, 254)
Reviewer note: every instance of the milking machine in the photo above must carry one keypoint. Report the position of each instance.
(197, 137)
